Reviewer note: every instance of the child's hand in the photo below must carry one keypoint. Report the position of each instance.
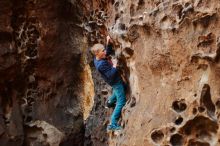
(108, 38)
(114, 62)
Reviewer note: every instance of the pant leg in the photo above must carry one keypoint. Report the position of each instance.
(121, 100)
(112, 99)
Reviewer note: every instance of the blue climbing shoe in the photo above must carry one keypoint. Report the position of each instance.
(113, 128)
(110, 105)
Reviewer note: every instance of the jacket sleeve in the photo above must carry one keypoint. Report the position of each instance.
(109, 50)
(109, 71)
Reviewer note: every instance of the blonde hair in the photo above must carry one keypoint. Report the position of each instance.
(96, 48)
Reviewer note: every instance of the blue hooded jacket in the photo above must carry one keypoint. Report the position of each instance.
(108, 72)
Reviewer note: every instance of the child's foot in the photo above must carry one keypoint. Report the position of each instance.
(109, 105)
(114, 128)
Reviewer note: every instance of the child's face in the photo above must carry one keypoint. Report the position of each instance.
(101, 54)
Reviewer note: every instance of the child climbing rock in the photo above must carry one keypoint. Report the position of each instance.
(109, 72)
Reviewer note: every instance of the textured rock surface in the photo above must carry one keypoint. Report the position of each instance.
(43, 72)
(167, 49)
(171, 49)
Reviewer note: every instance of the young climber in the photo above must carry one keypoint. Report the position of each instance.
(109, 72)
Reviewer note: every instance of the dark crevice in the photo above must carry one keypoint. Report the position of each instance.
(179, 106)
(206, 100)
(5, 37)
(194, 111)
(218, 104)
(201, 109)
(176, 140)
(157, 136)
(193, 142)
(179, 120)
(141, 4)
(201, 127)
(132, 10)
(172, 129)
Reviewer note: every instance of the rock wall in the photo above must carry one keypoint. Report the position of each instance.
(171, 50)
(167, 49)
(44, 74)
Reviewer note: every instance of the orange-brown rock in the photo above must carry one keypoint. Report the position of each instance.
(51, 94)
(171, 50)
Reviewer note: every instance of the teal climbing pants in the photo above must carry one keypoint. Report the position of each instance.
(118, 97)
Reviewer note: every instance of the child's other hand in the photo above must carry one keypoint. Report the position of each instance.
(114, 62)
(108, 38)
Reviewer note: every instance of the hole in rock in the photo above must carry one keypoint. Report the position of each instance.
(129, 51)
(203, 66)
(179, 120)
(31, 53)
(206, 40)
(133, 102)
(176, 140)
(30, 99)
(116, 6)
(206, 100)
(116, 17)
(194, 111)
(141, 18)
(157, 136)
(28, 119)
(187, 4)
(132, 9)
(180, 12)
(121, 26)
(6, 120)
(140, 4)
(204, 20)
(172, 129)
(28, 109)
(179, 106)
(133, 33)
(104, 92)
(113, 1)
(197, 143)
(164, 18)
(201, 127)
(44, 135)
(201, 109)
(218, 50)
(218, 104)
(18, 44)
